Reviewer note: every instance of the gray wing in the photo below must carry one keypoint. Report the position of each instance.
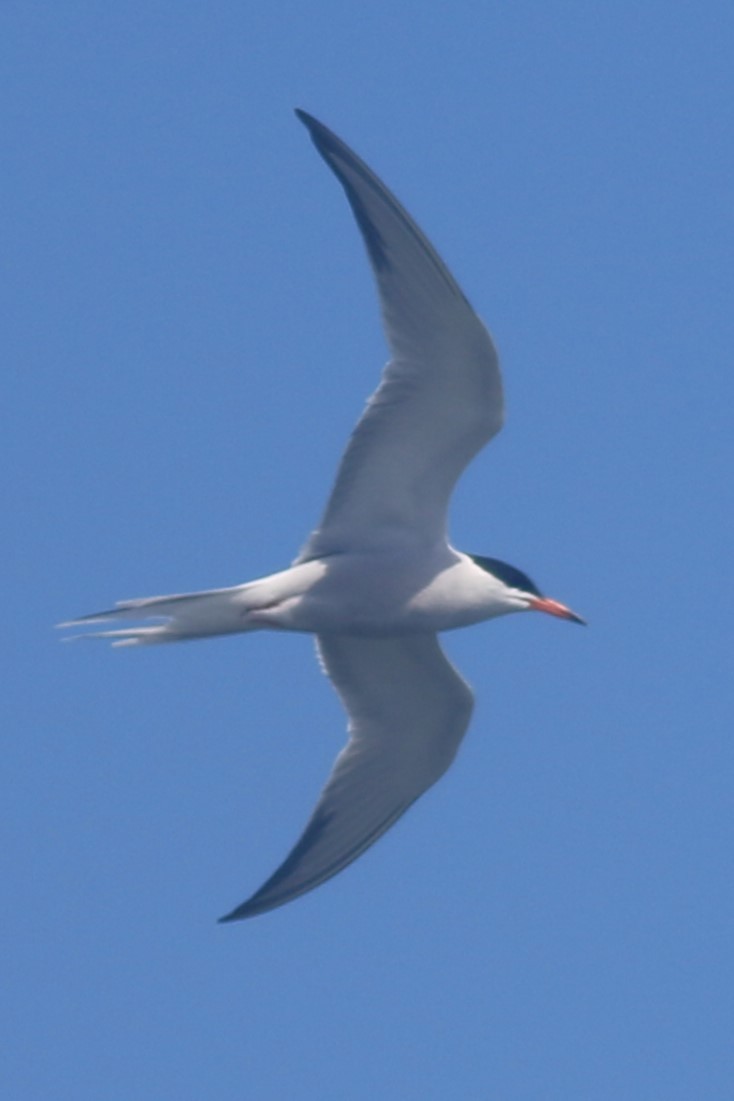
(408, 709)
(440, 398)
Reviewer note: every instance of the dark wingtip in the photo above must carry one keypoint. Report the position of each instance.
(309, 121)
(238, 914)
(227, 918)
(323, 138)
(249, 908)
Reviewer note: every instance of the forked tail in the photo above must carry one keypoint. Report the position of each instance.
(186, 616)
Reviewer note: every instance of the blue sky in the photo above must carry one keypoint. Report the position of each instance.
(190, 333)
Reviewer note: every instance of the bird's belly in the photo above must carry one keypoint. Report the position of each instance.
(388, 595)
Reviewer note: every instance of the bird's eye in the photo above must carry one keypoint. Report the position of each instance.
(510, 575)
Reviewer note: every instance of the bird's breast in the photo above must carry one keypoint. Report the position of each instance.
(389, 594)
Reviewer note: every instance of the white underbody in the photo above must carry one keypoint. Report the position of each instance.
(363, 594)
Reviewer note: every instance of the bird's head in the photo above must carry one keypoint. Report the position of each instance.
(520, 593)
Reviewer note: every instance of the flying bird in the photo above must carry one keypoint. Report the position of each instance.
(378, 579)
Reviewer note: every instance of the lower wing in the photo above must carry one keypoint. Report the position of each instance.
(408, 710)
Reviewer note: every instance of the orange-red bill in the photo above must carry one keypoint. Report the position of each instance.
(554, 607)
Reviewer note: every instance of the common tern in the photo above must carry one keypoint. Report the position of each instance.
(378, 579)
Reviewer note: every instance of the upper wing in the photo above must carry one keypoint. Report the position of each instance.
(408, 710)
(440, 398)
